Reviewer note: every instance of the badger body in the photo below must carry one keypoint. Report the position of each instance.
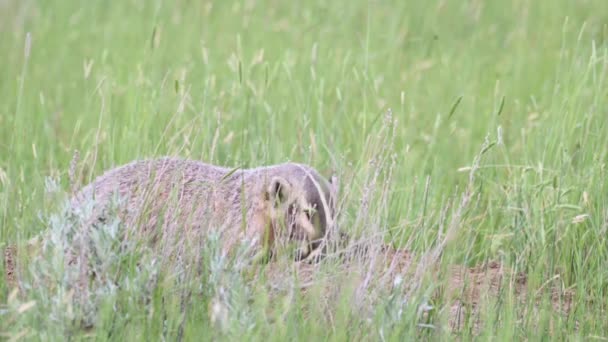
(173, 198)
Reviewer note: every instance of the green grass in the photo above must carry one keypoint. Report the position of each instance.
(260, 82)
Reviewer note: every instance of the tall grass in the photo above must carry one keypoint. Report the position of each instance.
(494, 150)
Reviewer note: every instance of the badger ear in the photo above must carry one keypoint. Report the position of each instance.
(278, 190)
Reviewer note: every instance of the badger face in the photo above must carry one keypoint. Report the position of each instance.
(302, 210)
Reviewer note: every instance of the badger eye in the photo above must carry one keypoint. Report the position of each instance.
(309, 213)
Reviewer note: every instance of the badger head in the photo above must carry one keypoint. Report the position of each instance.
(303, 208)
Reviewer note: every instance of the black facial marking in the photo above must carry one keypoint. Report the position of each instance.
(309, 214)
(278, 191)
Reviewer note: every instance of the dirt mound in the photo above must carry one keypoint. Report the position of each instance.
(10, 266)
(465, 290)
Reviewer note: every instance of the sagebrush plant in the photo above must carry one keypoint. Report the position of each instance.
(249, 83)
(111, 268)
(62, 292)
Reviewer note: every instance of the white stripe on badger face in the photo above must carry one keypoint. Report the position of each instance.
(303, 221)
(329, 215)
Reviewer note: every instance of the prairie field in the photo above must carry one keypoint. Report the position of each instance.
(470, 139)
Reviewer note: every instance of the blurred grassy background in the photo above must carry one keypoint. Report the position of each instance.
(260, 82)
